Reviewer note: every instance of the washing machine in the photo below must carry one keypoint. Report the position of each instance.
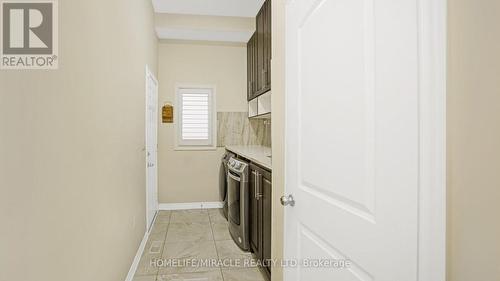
(223, 181)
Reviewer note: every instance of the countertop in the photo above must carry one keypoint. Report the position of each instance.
(255, 153)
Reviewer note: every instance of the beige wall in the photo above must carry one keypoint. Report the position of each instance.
(474, 141)
(72, 180)
(193, 176)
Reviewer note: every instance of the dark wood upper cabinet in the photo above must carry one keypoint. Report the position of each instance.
(267, 45)
(259, 54)
(260, 49)
(252, 66)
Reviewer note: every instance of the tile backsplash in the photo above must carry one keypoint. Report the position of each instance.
(235, 128)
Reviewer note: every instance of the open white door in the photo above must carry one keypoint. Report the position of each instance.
(151, 147)
(354, 140)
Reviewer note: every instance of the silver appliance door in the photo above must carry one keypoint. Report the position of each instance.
(234, 187)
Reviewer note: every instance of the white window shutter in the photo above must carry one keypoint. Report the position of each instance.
(195, 106)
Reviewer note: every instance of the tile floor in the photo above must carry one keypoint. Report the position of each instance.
(194, 235)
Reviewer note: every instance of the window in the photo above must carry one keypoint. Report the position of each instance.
(195, 118)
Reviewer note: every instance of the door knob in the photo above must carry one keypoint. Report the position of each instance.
(287, 200)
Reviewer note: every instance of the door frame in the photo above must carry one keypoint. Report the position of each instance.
(149, 74)
(432, 31)
(432, 48)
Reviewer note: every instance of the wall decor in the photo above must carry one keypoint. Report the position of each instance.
(167, 113)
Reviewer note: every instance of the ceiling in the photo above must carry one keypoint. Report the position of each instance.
(231, 8)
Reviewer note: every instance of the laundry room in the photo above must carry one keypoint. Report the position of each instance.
(214, 158)
(249, 140)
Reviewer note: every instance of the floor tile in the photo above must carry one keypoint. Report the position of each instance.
(201, 276)
(145, 278)
(163, 217)
(216, 215)
(164, 213)
(190, 231)
(159, 228)
(180, 252)
(146, 265)
(162, 220)
(155, 243)
(245, 274)
(189, 216)
(232, 255)
(221, 231)
(190, 250)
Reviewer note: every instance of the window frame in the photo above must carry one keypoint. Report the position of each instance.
(180, 144)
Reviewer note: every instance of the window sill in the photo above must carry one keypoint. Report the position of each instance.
(195, 148)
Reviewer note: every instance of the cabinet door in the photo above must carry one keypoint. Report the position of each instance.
(251, 67)
(255, 215)
(268, 45)
(255, 69)
(260, 50)
(263, 26)
(266, 190)
(259, 54)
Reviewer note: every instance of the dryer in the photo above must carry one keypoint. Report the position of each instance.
(238, 199)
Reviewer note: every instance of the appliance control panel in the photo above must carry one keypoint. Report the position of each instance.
(236, 164)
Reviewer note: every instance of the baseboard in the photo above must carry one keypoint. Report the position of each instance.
(137, 258)
(168, 207)
(188, 206)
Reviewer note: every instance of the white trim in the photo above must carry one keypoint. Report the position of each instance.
(432, 93)
(213, 97)
(140, 251)
(221, 8)
(137, 258)
(192, 34)
(189, 206)
(149, 74)
(198, 148)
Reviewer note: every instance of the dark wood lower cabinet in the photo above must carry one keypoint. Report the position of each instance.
(255, 215)
(266, 182)
(261, 215)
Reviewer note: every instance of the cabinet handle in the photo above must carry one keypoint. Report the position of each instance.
(255, 185)
(263, 74)
(259, 186)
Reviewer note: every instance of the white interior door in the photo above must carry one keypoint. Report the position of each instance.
(151, 147)
(352, 155)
